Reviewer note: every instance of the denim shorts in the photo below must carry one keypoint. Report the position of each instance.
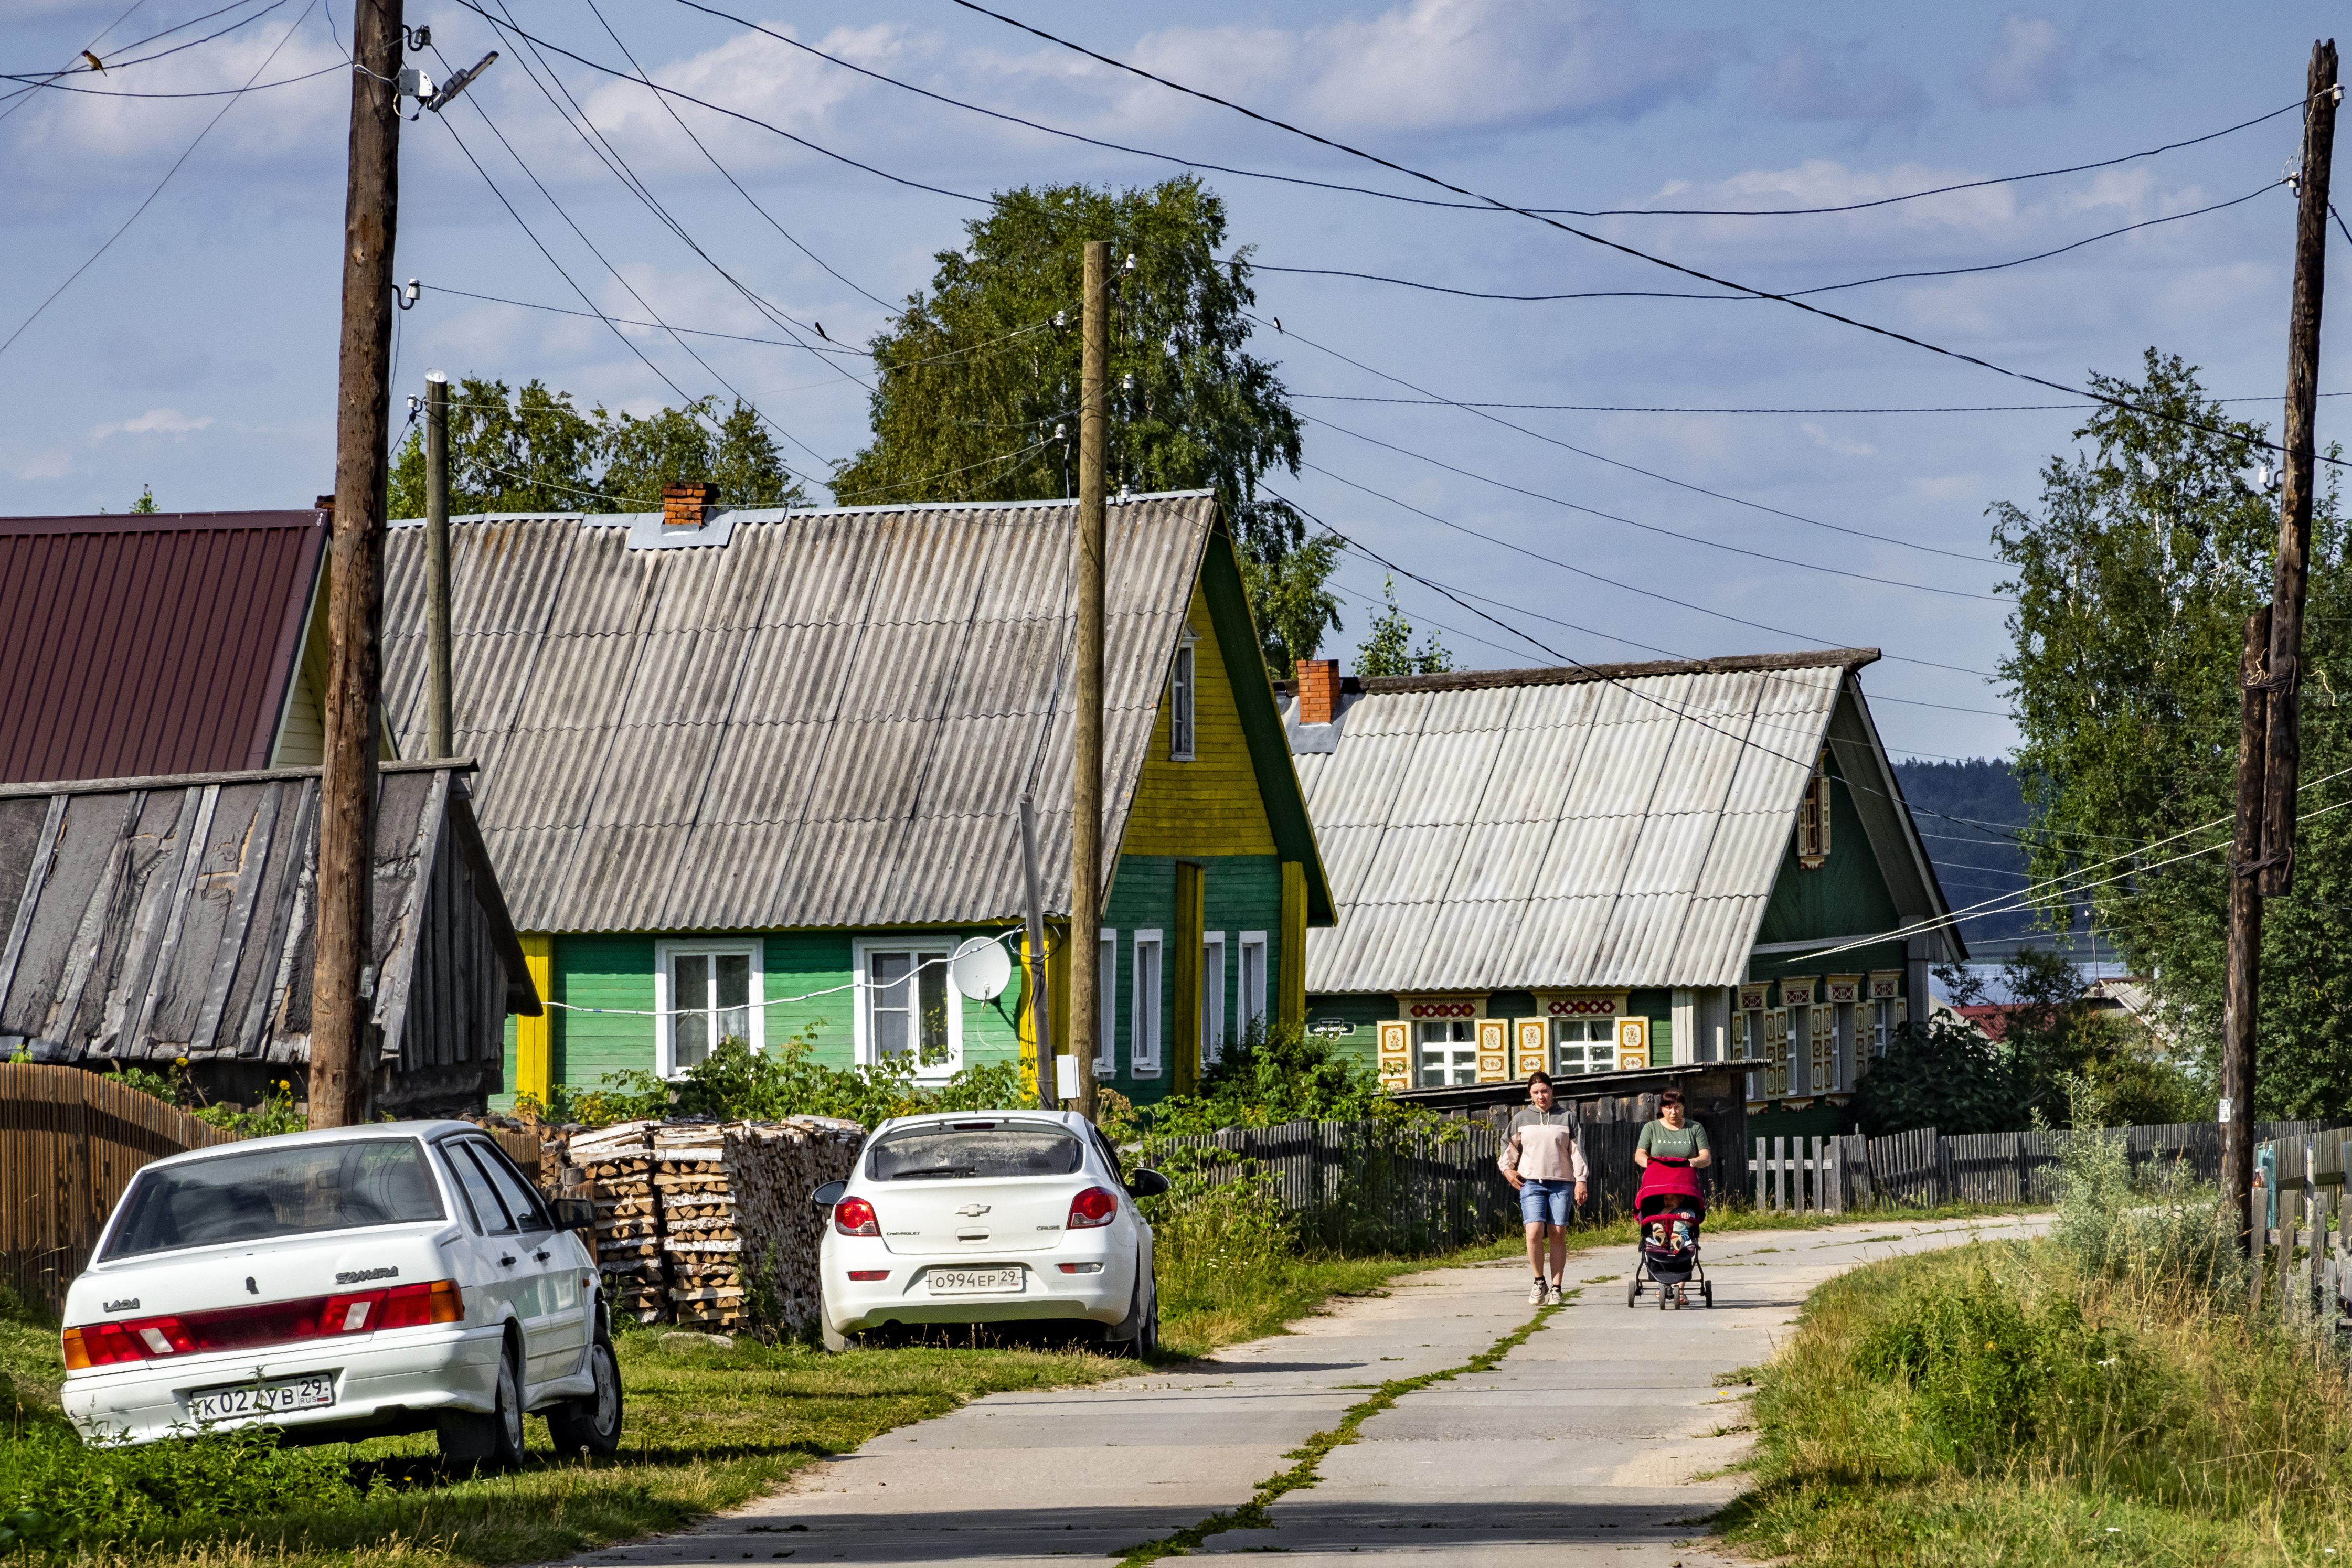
(1546, 1202)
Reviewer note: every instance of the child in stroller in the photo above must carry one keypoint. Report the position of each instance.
(1670, 1207)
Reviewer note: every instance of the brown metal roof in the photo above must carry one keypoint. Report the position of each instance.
(149, 643)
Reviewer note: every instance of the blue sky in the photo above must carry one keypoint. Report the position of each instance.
(197, 354)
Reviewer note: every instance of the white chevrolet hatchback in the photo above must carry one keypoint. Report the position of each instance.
(339, 1285)
(990, 1217)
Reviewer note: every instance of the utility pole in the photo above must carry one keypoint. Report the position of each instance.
(1041, 1004)
(438, 736)
(342, 989)
(2282, 742)
(1085, 786)
(2271, 672)
(2239, 1006)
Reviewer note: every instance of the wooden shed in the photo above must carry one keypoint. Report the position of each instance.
(168, 919)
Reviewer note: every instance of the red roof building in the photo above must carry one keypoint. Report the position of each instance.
(160, 643)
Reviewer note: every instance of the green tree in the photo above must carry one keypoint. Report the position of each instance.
(2134, 579)
(146, 501)
(977, 389)
(1293, 606)
(1387, 649)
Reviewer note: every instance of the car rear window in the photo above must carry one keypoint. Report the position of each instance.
(964, 1151)
(292, 1191)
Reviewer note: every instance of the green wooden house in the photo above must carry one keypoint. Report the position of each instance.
(757, 774)
(1606, 867)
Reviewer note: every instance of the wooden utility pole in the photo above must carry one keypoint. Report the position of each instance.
(2239, 1009)
(439, 741)
(342, 993)
(2294, 557)
(1085, 786)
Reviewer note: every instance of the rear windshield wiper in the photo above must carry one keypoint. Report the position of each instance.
(938, 1171)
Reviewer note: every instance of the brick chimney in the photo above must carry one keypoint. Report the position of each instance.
(1319, 690)
(685, 503)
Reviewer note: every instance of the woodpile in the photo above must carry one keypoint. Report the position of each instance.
(708, 1224)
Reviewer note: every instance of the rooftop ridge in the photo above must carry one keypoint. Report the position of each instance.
(1572, 675)
(786, 513)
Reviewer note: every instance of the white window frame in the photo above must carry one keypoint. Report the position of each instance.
(1143, 1019)
(1107, 1002)
(862, 950)
(1213, 997)
(666, 1005)
(1184, 699)
(1249, 1008)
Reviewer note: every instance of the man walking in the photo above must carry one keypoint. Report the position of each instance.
(1541, 1158)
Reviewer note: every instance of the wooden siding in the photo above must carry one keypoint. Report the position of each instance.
(1238, 893)
(1210, 805)
(534, 1042)
(1846, 895)
(302, 732)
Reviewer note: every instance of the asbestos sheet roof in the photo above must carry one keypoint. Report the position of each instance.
(1594, 826)
(807, 719)
(150, 642)
(162, 917)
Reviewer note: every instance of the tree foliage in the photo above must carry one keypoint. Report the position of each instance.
(534, 450)
(2133, 580)
(1388, 650)
(977, 390)
(1280, 1073)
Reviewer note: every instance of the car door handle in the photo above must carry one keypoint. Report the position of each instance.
(506, 1262)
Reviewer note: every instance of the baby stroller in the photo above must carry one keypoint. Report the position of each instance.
(1669, 1209)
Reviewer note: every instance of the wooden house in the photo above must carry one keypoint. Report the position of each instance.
(757, 774)
(154, 921)
(1607, 867)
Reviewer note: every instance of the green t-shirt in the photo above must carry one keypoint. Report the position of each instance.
(1675, 1143)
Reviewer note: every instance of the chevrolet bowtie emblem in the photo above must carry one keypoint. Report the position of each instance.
(970, 1209)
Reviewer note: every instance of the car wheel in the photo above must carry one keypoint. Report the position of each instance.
(591, 1423)
(1147, 1337)
(834, 1343)
(493, 1441)
(1130, 1337)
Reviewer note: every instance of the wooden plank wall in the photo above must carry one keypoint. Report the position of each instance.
(69, 1143)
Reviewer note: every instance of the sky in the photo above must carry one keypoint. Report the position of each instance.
(1621, 518)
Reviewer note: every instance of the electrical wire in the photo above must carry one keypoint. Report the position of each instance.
(209, 93)
(1676, 408)
(840, 496)
(42, 78)
(21, 96)
(177, 164)
(1635, 252)
(2261, 189)
(861, 984)
(1481, 412)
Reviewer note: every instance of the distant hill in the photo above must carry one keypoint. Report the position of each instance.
(1951, 801)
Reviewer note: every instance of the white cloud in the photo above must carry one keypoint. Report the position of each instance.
(154, 421)
(1812, 80)
(1843, 446)
(2030, 64)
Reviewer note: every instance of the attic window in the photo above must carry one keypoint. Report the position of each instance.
(1181, 683)
(1813, 817)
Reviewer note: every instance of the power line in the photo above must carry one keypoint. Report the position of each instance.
(1752, 299)
(176, 165)
(1678, 408)
(39, 79)
(209, 93)
(1634, 251)
(839, 496)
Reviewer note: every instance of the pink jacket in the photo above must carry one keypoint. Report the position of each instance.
(1542, 1146)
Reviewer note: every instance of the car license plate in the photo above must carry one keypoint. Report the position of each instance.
(973, 1281)
(262, 1399)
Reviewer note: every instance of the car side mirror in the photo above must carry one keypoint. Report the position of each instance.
(828, 1195)
(573, 1213)
(1145, 1183)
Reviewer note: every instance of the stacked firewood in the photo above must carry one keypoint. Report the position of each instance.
(618, 1163)
(708, 1224)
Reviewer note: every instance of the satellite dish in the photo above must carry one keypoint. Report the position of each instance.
(981, 968)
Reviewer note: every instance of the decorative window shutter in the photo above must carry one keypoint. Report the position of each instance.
(1776, 1045)
(1824, 1019)
(1534, 1044)
(1898, 1012)
(1493, 1051)
(1632, 1044)
(1396, 1056)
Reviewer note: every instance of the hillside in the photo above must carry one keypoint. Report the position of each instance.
(1974, 862)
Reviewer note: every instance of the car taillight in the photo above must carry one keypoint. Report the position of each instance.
(272, 1322)
(869, 1273)
(854, 1217)
(1096, 1206)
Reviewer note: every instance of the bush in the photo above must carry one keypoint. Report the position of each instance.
(1939, 1074)
(58, 1495)
(1280, 1073)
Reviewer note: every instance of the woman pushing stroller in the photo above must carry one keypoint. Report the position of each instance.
(1670, 1206)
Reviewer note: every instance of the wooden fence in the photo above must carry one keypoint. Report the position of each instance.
(1925, 1168)
(70, 1144)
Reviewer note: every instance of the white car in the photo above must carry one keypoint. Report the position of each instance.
(339, 1285)
(990, 1217)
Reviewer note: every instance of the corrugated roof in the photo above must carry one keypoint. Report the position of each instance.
(1610, 826)
(828, 720)
(149, 643)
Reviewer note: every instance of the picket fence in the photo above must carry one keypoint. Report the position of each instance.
(1925, 1168)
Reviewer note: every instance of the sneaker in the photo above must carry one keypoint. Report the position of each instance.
(1552, 1294)
(1535, 1292)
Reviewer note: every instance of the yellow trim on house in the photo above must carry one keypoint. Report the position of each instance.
(535, 1037)
(1211, 804)
(1291, 1011)
(1184, 969)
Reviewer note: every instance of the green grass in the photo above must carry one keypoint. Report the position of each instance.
(2002, 1403)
